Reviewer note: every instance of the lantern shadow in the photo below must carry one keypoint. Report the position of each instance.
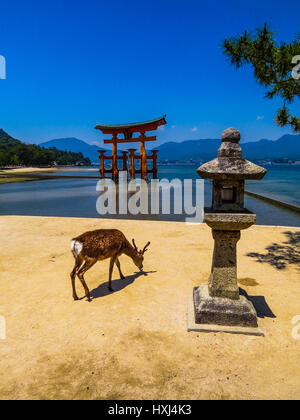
(263, 310)
(281, 255)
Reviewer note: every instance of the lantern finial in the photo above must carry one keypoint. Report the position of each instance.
(231, 135)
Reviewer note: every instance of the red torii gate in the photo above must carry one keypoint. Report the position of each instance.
(128, 130)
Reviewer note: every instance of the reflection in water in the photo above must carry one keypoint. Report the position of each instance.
(161, 199)
(78, 197)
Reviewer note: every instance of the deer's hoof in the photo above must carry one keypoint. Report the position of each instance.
(75, 298)
(123, 278)
(110, 289)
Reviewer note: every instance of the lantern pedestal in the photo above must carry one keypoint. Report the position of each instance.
(224, 310)
(219, 306)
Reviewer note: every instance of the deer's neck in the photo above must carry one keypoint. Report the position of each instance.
(130, 251)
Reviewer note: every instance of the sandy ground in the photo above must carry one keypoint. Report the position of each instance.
(27, 170)
(53, 169)
(133, 343)
(32, 174)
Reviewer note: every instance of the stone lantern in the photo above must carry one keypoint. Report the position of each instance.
(219, 306)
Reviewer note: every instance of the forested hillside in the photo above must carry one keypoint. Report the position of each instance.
(14, 153)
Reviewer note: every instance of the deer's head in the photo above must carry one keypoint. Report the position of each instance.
(138, 257)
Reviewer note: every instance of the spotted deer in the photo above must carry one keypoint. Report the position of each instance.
(99, 245)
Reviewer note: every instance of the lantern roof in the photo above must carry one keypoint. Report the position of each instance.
(230, 164)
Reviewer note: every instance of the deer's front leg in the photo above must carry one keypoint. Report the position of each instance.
(111, 267)
(119, 268)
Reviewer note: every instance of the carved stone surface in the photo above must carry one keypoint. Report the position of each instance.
(232, 135)
(231, 168)
(223, 311)
(229, 221)
(223, 279)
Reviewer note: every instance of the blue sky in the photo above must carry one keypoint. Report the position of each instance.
(71, 64)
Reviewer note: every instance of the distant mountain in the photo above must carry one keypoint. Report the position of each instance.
(288, 146)
(74, 145)
(204, 149)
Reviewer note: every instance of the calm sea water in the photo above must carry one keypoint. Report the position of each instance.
(77, 197)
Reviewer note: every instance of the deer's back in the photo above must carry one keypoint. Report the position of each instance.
(101, 243)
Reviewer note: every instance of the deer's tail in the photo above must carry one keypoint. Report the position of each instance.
(76, 247)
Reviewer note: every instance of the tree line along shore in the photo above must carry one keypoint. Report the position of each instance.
(15, 153)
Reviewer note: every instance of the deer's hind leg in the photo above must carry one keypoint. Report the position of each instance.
(111, 267)
(119, 268)
(78, 262)
(86, 266)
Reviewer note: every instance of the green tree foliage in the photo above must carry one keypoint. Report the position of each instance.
(15, 153)
(272, 66)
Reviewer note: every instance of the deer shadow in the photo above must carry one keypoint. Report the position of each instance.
(117, 285)
(283, 254)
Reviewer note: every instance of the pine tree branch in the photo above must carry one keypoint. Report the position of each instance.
(272, 65)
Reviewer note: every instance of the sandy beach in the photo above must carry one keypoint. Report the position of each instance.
(8, 176)
(27, 170)
(133, 343)
(41, 170)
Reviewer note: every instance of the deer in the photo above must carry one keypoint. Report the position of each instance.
(98, 245)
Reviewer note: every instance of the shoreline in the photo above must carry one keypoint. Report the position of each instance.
(50, 169)
(291, 207)
(8, 176)
(117, 220)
